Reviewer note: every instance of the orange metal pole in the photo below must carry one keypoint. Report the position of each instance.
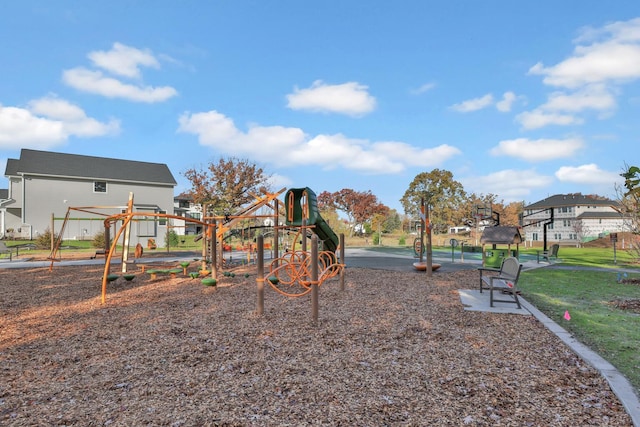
(107, 262)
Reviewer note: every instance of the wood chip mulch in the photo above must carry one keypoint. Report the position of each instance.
(392, 349)
(627, 304)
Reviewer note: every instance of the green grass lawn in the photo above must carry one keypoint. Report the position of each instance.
(590, 296)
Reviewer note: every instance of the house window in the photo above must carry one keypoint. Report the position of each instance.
(146, 226)
(162, 221)
(99, 186)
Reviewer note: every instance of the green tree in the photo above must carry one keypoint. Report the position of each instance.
(226, 185)
(441, 192)
(391, 221)
(171, 239)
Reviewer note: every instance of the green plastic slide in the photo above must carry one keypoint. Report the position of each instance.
(294, 202)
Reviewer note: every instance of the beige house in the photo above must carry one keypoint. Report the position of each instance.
(571, 219)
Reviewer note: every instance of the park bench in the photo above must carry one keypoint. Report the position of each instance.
(503, 280)
(551, 253)
(4, 249)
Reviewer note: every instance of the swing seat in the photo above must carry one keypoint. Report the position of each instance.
(99, 252)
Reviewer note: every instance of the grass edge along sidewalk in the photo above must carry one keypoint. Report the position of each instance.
(597, 307)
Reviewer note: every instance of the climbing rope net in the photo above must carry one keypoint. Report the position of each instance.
(291, 274)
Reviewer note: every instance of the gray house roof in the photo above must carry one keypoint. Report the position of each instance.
(4, 193)
(501, 234)
(600, 215)
(45, 163)
(576, 199)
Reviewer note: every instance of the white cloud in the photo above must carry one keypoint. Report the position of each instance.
(48, 122)
(512, 185)
(623, 31)
(97, 83)
(19, 127)
(537, 119)
(291, 146)
(593, 64)
(594, 97)
(473, 104)
(603, 59)
(349, 98)
(424, 88)
(613, 57)
(561, 107)
(538, 150)
(124, 60)
(504, 105)
(277, 181)
(588, 174)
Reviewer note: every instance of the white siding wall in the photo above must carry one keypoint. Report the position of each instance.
(563, 230)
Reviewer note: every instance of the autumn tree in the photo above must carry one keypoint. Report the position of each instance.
(227, 184)
(331, 217)
(441, 192)
(359, 207)
(468, 208)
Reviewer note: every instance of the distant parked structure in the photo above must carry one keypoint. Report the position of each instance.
(459, 229)
(577, 219)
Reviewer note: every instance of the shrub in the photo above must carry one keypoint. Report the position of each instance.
(43, 241)
(376, 238)
(402, 241)
(171, 239)
(98, 240)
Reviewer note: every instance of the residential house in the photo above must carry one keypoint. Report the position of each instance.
(183, 206)
(45, 184)
(577, 219)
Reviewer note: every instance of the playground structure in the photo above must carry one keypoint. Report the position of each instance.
(425, 228)
(292, 271)
(299, 272)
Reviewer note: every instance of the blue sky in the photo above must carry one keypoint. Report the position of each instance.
(519, 99)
